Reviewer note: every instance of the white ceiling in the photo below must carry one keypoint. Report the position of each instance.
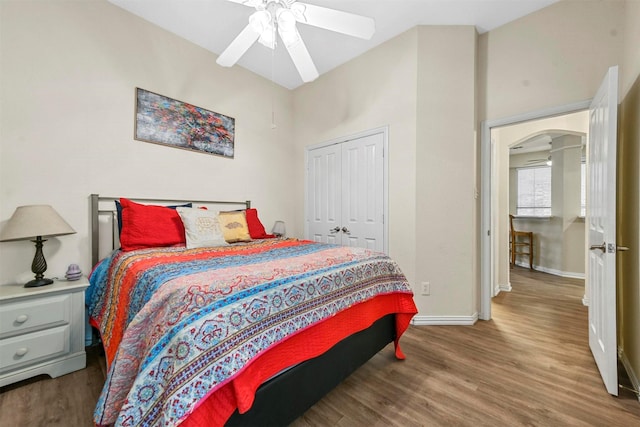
(213, 24)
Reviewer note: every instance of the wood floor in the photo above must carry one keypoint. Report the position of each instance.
(529, 366)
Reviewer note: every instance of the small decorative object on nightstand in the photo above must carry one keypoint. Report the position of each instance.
(278, 229)
(73, 272)
(34, 222)
(41, 330)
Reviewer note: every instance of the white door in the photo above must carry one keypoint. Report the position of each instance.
(601, 223)
(345, 192)
(362, 193)
(324, 186)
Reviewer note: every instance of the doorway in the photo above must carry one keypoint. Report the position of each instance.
(489, 176)
(539, 177)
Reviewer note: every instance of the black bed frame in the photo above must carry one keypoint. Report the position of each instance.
(284, 398)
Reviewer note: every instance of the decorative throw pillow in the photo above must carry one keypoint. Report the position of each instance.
(234, 226)
(147, 226)
(201, 228)
(256, 229)
(119, 213)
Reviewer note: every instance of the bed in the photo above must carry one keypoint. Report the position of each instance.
(249, 333)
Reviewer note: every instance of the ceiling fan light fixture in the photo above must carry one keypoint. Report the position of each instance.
(260, 21)
(286, 19)
(268, 38)
(297, 9)
(280, 17)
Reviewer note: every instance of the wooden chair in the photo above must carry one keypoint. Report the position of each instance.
(520, 240)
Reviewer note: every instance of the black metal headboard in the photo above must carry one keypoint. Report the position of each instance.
(104, 216)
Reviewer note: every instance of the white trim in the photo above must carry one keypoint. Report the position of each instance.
(504, 288)
(384, 130)
(444, 320)
(567, 274)
(635, 382)
(486, 238)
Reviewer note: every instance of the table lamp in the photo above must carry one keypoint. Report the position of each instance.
(34, 222)
(278, 229)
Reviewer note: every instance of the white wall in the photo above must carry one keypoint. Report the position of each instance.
(68, 75)
(553, 57)
(445, 172)
(425, 91)
(69, 71)
(375, 89)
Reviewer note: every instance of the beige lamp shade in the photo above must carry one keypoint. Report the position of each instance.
(28, 222)
(278, 228)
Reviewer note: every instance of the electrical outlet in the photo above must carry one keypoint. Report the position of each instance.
(426, 288)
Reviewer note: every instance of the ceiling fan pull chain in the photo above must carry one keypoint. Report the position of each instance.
(273, 84)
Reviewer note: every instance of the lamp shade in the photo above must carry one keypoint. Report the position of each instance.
(278, 228)
(28, 222)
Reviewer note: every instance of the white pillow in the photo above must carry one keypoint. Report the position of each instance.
(201, 228)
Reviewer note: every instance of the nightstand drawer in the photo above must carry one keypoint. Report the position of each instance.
(32, 347)
(20, 317)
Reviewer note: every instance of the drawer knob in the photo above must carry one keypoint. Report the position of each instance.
(21, 351)
(22, 318)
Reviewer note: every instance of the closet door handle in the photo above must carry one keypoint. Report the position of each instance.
(602, 247)
(335, 230)
(345, 230)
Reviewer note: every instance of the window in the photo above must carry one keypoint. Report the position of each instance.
(534, 191)
(583, 189)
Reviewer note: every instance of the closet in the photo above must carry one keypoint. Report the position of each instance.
(346, 191)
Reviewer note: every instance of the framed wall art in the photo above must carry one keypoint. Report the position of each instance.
(163, 120)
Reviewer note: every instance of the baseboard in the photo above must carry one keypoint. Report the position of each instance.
(505, 288)
(568, 274)
(635, 382)
(419, 320)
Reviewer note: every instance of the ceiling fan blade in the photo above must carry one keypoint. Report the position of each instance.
(238, 47)
(302, 60)
(250, 3)
(335, 20)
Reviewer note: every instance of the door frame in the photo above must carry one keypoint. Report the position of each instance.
(384, 130)
(487, 176)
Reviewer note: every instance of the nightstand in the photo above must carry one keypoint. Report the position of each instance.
(41, 330)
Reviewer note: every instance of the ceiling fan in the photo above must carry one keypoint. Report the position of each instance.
(536, 162)
(279, 17)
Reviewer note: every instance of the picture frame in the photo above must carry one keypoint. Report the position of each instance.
(167, 121)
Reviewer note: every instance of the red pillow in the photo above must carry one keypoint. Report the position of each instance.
(147, 226)
(256, 229)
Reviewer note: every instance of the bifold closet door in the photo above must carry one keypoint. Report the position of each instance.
(346, 193)
(324, 194)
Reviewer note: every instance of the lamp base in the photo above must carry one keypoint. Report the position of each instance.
(38, 282)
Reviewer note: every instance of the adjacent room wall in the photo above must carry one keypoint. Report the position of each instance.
(559, 239)
(628, 233)
(628, 196)
(69, 71)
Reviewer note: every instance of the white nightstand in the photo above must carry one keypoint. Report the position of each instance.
(41, 330)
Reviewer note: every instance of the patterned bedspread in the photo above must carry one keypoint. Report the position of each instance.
(179, 324)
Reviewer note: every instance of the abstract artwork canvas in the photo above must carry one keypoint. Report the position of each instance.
(163, 120)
